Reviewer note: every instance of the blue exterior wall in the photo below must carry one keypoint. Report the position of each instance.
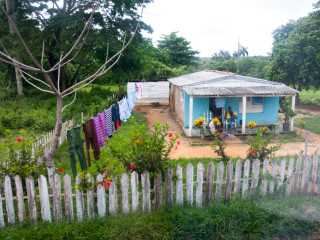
(200, 105)
(269, 114)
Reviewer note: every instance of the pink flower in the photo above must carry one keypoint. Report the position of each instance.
(148, 132)
(221, 146)
(170, 135)
(252, 152)
(139, 140)
(178, 142)
(19, 139)
(107, 184)
(132, 166)
(60, 170)
(176, 147)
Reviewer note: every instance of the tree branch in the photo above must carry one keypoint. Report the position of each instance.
(42, 90)
(75, 96)
(36, 79)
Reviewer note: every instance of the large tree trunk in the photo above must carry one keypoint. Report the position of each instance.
(49, 157)
(10, 4)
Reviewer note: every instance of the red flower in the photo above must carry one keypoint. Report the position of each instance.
(252, 152)
(107, 184)
(170, 135)
(132, 166)
(221, 146)
(19, 139)
(178, 142)
(176, 147)
(139, 140)
(148, 132)
(60, 170)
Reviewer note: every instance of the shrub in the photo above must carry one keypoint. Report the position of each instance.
(219, 148)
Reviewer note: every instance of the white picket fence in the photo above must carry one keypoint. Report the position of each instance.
(45, 142)
(301, 177)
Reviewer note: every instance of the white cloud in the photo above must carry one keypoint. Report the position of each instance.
(212, 25)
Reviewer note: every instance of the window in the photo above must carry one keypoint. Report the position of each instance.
(254, 104)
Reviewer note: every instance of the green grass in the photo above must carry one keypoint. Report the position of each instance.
(238, 219)
(312, 123)
(310, 97)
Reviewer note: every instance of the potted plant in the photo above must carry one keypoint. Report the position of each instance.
(198, 123)
(288, 114)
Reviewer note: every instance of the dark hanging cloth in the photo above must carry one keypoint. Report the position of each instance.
(90, 136)
(75, 147)
(116, 116)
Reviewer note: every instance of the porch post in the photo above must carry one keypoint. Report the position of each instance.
(244, 112)
(190, 115)
(293, 104)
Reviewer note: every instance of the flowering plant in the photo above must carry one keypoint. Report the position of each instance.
(251, 124)
(264, 129)
(216, 122)
(198, 123)
(218, 147)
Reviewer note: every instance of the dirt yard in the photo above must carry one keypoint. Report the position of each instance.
(234, 148)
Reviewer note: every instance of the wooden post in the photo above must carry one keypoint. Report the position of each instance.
(210, 180)
(244, 112)
(124, 193)
(189, 177)
(306, 145)
(293, 104)
(190, 115)
(199, 191)
(179, 186)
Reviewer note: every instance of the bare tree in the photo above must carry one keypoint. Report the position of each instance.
(48, 84)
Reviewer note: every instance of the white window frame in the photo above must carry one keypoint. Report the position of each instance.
(252, 107)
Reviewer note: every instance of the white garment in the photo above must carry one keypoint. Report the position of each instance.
(121, 110)
(211, 126)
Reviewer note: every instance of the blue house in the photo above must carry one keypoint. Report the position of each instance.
(253, 99)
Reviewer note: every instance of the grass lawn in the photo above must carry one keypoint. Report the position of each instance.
(272, 218)
(310, 97)
(312, 123)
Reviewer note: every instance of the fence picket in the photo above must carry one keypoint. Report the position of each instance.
(245, 184)
(315, 162)
(20, 200)
(281, 173)
(220, 174)
(289, 177)
(228, 188)
(158, 191)
(265, 173)
(101, 197)
(124, 193)
(169, 187)
(273, 175)
(31, 195)
(146, 200)
(189, 176)
(57, 208)
(113, 197)
(237, 177)
(135, 191)
(68, 197)
(210, 182)
(305, 175)
(297, 177)
(255, 176)
(90, 198)
(179, 186)
(2, 224)
(199, 191)
(44, 199)
(79, 201)
(9, 200)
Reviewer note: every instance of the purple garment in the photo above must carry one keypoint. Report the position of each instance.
(101, 130)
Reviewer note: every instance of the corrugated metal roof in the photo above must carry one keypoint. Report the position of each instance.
(215, 83)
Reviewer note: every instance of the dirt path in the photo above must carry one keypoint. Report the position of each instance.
(233, 148)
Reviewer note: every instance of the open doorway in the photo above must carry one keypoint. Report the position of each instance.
(217, 112)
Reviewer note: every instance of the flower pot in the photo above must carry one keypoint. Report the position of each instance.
(202, 135)
(286, 127)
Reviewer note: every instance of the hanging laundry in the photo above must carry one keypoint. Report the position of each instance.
(100, 125)
(121, 110)
(90, 136)
(131, 100)
(75, 147)
(109, 125)
(140, 91)
(116, 116)
(220, 102)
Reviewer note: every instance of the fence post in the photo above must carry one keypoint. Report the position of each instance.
(228, 187)
(189, 176)
(79, 201)
(57, 208)
(9, 200)
(44, 199)
(179, 186)
(199, 191)
(305, 175)
(90, 198)
(255, 176)
(246, 173)
(265, 173)
(146, 201)
(297, 177)
(31, 198)
(289, 177)
(306, 144)
(237, 177)
(273, 175)
(1, 212)
(20, 200)
(220, 174)
(124, 193)
(134, 190)
(158, 191)
(113, 197)
(68, 197)
(210, 182)
(169, 187)
(315, 162)
(281, 173)
(101, 197)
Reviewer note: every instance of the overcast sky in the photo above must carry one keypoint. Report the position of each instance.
(213, 25)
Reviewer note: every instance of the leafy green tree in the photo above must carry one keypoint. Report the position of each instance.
(177, 51)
